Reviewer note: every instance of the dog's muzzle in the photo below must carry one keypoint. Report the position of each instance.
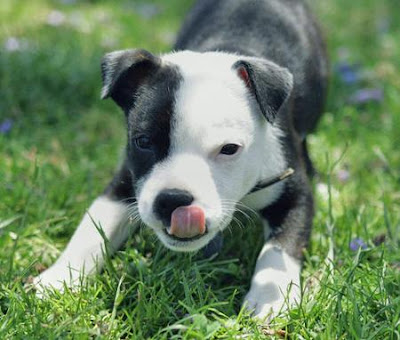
(181, 219)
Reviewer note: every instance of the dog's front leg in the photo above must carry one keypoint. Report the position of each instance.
(275, 282)
(275, 285)
(85, 251)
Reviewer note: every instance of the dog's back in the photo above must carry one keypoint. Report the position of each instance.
(282, 31)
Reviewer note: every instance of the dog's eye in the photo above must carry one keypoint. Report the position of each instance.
(229, 149)
(143, 142)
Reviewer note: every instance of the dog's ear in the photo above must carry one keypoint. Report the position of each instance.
(270, 84)
(123, 72)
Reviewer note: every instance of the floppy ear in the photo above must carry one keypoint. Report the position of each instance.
(270, 84)
(123, 72)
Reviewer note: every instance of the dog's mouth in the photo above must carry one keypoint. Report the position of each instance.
(188, 223)
(167, 232)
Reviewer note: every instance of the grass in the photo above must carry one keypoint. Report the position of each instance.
(63, 145)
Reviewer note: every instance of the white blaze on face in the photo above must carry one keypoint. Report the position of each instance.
(212, 108)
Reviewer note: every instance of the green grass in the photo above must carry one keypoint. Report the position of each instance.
(64, 144)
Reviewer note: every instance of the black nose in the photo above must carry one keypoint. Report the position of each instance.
(167, 201)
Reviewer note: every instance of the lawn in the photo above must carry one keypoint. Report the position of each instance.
(59, 145)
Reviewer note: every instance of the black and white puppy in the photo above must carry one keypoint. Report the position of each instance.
(206, 124)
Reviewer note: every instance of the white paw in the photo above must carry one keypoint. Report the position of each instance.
(267, 301)
(56, 278)
(275, 283)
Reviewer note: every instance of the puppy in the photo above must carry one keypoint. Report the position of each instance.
(207, 125)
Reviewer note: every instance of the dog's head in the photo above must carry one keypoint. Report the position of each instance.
(200, 135)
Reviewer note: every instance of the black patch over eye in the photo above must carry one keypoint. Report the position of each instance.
(229, 149)
(143, 143)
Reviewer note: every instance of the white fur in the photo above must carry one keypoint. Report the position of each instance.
(272, 164)
(85, 251)
(275, 284)
(212, 108)
(182, 171)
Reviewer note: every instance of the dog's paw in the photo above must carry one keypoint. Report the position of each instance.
(263, 304)
(275, 284)
(266, 301)
(55, 278)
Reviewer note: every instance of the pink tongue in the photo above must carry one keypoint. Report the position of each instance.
(187, 222)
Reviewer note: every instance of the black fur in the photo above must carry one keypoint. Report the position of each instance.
(271, 85)
(145, 90)
(152, 116)
(278, 31)
(121, 187)
(123, 75)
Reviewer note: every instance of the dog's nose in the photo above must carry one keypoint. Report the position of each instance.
(168, 200)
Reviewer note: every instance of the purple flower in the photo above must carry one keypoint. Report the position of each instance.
(382, 25)
(343, 175)
(78, 21)
(6, 126)
(348, 73)
(56, 18)
(67, 2)
(367, 95)
(12, 44)
(357, 243)
(148, 11)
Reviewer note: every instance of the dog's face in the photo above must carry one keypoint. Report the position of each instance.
(200, 135)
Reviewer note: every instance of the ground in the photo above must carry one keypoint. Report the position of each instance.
(59, 145)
